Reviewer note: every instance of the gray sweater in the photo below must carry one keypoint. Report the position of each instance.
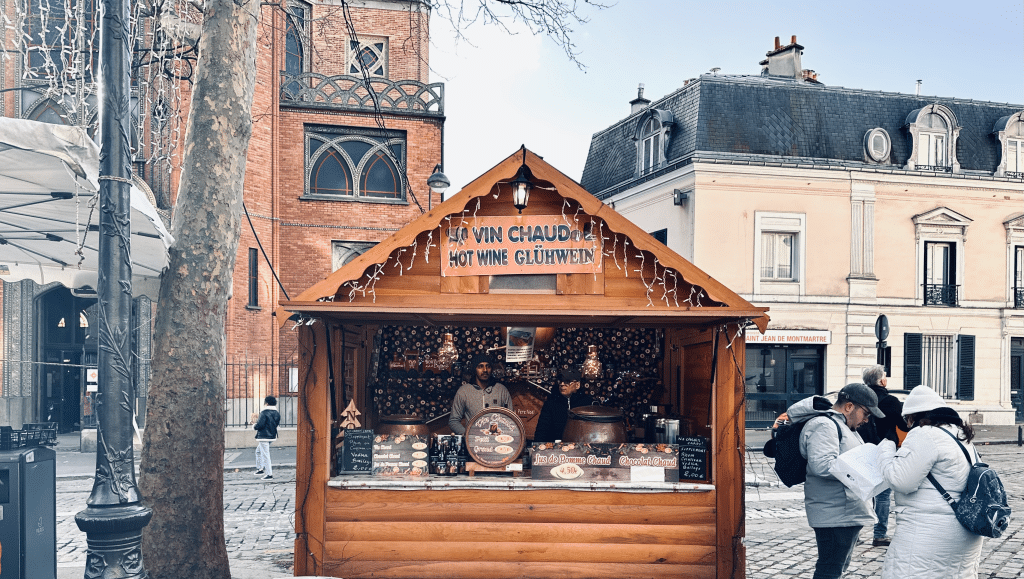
(471, 399)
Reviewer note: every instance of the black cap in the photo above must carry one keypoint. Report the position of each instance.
(570, 375)
(480, 358)
(860, 394)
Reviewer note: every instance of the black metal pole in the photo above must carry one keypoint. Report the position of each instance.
(114, 514)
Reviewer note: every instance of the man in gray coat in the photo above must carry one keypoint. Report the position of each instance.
(836, 517)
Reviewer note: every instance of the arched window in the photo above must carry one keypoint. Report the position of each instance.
(49, 111)
(933, 130)
(1010, 132)
(653, 132)
(380, 177)
(355, 163)
(295, 34)
(330, 175)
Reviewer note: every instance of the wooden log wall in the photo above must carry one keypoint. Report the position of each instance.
(504, 534)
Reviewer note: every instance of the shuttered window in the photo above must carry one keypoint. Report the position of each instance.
(943, 363)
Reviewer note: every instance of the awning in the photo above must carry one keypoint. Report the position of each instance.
(49, 219)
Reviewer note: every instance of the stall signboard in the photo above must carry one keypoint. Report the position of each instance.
(693, 457)
(521, 244)
(822, 337)
(400, 455)
(640, 462)
(357, 451)
(495, 437)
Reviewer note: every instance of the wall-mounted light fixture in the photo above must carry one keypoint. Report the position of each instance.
(438, 182)
(521, 185)
(591, 366)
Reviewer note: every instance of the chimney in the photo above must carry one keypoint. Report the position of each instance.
(811, 76)
(639, 103)
(784, 61)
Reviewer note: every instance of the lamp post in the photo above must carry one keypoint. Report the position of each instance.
(114, 515)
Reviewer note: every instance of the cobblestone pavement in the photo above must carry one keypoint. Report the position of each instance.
(780, 544)
(258, 520)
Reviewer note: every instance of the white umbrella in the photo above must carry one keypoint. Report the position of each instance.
(49, 219)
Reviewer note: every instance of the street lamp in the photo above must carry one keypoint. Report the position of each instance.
(114, 515)
(521, 185)
(438, 183)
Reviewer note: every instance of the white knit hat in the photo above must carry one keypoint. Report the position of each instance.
(922, 399)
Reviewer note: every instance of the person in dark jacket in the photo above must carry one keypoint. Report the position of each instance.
(555, 412)
(266, 432)
(877, 430)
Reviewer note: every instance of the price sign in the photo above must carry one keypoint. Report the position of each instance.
(495, 437)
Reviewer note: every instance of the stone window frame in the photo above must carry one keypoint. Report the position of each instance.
(355, 46)
(1010, 127)
(344, 251)
(939, 225)
(333, 137)
(662, 122)
(304, 35)
(1014, 226)
(778, 222)
(952, 133)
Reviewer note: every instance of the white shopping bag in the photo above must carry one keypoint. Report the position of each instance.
(858, 469)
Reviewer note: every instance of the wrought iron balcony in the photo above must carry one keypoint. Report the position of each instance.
(940, 294)
(1014, 175)
(1018, 297)
(936, 168)
(351, 93)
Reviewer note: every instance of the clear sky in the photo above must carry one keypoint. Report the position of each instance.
(502, 91)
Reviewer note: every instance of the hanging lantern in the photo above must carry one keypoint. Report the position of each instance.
(447, 353)
(591, 366)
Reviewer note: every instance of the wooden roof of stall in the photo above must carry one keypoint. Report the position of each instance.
(646, 285)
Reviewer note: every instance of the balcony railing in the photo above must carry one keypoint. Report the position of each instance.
(936, 168)
(350, 92)
(1018, 297)
(940, 294)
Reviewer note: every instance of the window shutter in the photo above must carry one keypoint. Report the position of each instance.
(911, 360)
(965, 367)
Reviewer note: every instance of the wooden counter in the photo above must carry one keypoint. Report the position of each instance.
(505, 528)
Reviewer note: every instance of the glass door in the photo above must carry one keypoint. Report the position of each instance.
(777, 377)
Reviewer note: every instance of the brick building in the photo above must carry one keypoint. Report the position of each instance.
(332, 169)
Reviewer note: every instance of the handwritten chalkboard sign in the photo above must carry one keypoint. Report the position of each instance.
(693, 457)
(357, 450)
(495, 437)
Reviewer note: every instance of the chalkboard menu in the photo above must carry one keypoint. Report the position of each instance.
(356, 451)
(495, 437)
(400, 455)
(693, 457)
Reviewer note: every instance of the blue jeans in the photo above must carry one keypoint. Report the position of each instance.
(835, 549)
(882, 501)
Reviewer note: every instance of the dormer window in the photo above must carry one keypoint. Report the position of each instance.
(1010, 132)
(654, 130)
(933, 130)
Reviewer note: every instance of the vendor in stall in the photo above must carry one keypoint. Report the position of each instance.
(555, 412)
(477, 392)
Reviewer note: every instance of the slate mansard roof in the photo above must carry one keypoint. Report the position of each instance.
(762, 119)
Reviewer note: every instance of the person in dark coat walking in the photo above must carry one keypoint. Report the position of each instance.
(555, 412)
(266, 432)
(877, 430)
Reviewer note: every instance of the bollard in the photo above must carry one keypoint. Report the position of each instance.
(1020, 436)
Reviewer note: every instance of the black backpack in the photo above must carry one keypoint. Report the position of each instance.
(982, 508)
(784, 447)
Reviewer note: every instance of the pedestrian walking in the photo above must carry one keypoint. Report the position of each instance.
(876, 430)
(929, 541)
(266, 433)
(836, 517)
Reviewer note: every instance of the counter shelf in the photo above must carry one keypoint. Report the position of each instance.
(438, 483)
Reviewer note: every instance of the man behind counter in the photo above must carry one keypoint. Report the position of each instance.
(474, 396)
(555, 412)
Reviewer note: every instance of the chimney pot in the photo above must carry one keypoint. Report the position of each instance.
(794, 39)
(778, 44)
(639, 103)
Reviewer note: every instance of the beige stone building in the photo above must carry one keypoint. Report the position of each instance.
(834, 206)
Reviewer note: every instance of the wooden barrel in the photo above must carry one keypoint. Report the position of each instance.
(595, 424)
(399, 424)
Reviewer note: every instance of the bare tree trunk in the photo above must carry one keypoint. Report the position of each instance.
(182, 471)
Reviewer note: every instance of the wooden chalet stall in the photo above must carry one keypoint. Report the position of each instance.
(608, 280)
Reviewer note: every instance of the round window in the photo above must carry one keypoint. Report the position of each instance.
(877, 145)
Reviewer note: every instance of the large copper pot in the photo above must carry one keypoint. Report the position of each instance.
(399, 424)
(595, 424)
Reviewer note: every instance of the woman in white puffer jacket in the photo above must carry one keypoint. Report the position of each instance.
(929, 542)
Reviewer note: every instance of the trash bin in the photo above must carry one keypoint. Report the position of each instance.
(28, 513)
